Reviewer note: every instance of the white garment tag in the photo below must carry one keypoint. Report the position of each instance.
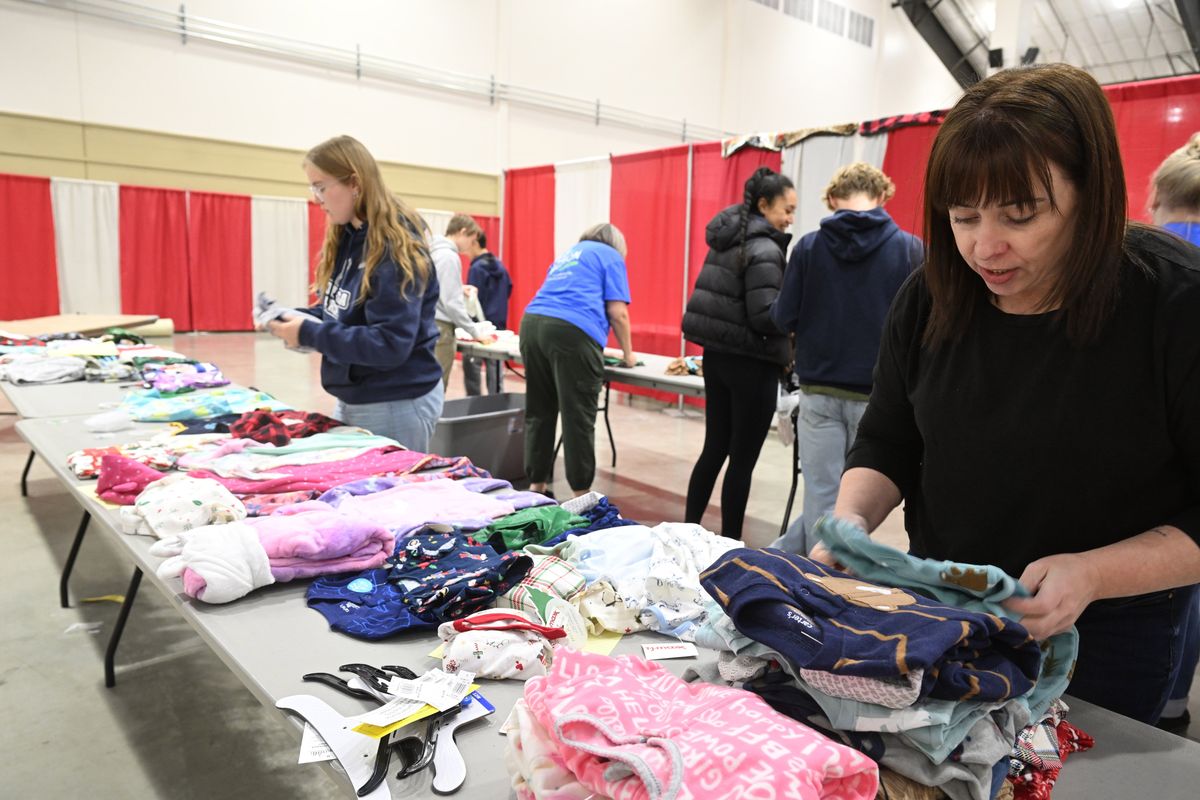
(391, 712)
(313, 747)
(657, 652)
(437, 688)
(443, 690)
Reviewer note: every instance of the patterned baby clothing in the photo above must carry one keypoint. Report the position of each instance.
(280, 427)
(549, 575)
(972, 587)
(122, 479)
(179, 503)
(669, 739)
(819, 618)
(151, 406)
(533, 761)
(498, 644)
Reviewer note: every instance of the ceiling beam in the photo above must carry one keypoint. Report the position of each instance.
(919, 12)
(1189, 17)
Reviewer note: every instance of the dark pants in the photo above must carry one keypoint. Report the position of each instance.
(1130, 650)
(739, 397)
(564, 372)
(495, 375)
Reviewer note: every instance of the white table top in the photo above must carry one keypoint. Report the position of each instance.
(652, 374)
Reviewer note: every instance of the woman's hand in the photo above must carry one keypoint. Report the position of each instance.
(629, 360)
(288, 330)
(1062, 587)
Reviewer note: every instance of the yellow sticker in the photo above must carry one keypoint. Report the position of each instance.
(603, 644)
(105, 598)
(89, 490)
(378, 732)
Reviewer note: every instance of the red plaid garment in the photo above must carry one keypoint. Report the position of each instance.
(280, 427)
(877, 126)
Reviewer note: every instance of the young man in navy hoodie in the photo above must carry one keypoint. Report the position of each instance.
(490, 278)
(839, 284)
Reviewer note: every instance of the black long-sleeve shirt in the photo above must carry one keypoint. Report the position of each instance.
(1011, 444)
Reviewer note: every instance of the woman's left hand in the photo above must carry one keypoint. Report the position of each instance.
(1061, 586)
(288, 330)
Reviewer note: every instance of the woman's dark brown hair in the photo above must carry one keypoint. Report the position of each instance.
(996, 147)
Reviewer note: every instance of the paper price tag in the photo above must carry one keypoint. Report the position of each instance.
(657, 652)
(313, 747)
(443, 690)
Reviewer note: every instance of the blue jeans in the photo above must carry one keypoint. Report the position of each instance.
(409, 422)
(826, 430)
(1190, 648)
(1131, 651)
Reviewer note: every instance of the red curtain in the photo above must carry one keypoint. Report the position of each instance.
(1154, 118)
(219, 272)
(528, 234)
(317, 220)
(30, 266)
(649, 204)
(154, 254)
(904, 162)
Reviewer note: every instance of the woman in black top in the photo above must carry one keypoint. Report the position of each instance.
(1036, 402)
(729, 313)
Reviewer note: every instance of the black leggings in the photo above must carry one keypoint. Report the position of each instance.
(739, 395)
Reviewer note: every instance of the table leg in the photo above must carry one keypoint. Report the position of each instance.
(612, 443)
(63, 597)
(25, 475)
(787, 513)
(110, 678)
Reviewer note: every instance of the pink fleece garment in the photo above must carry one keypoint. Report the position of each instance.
(707, 740)
(310, 539)
(122, 479)
(406, 507)
(324, 476)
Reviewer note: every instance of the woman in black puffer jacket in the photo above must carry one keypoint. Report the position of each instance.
(729, 315)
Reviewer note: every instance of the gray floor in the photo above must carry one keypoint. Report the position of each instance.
(178, 724)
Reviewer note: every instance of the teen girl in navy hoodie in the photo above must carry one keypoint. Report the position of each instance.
(377, 292)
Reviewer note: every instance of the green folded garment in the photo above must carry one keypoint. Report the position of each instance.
(531, 526)
(613, 361)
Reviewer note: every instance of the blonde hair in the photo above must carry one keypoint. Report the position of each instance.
(1176, 182)
(392, 227)
(463, 222)
(859, 177)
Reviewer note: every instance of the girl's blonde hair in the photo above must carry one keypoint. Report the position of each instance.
(392, 227)
(1177, 180)
(859, 177)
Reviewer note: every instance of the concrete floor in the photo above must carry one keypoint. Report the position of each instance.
(179, 724)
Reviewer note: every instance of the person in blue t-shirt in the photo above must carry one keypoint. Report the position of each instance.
(1175, 205)
(563, 334)
(374, 325)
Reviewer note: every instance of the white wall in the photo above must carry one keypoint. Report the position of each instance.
(729, 64)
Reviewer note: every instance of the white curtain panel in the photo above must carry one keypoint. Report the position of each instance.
(582, 192)
(871, 149)
(436, 220)
(810, 165)
(87, 241)
(279, 249)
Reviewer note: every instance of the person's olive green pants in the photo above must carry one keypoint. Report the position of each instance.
(564, 372)
(445, 348)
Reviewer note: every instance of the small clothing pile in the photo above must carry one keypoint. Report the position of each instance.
(220, 563)
(688, 365)
(433, 578)
(280, 427)
(1039, 753)
(177, 503)
(666, 739)
(173, 379)
(531, 526)
(152, 406)
(38, 368)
